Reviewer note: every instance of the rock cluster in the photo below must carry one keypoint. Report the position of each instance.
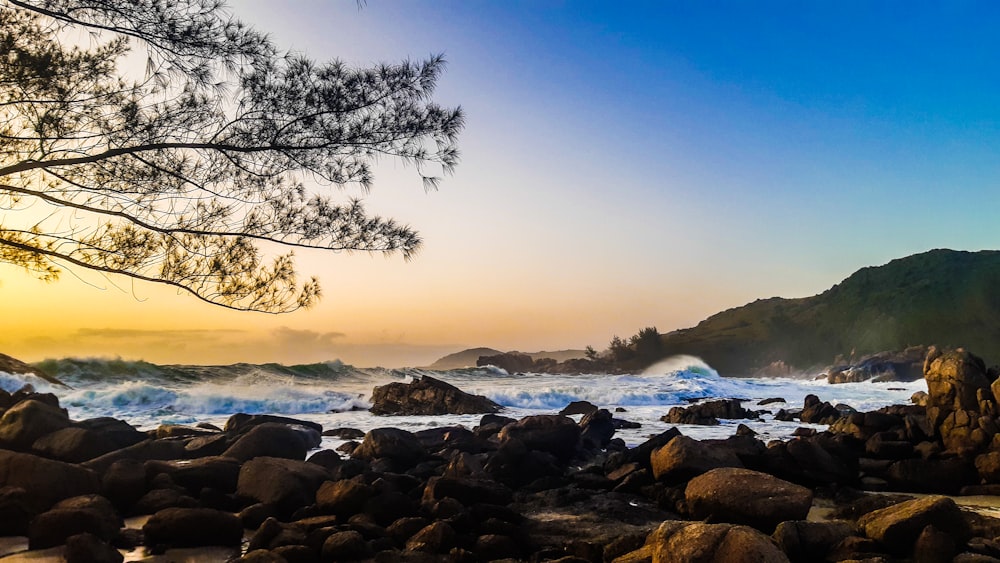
(428, 396)
(542, 488)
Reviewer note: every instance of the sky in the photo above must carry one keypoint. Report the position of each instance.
(624, 165)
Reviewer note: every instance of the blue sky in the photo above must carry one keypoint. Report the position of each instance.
(626, 165)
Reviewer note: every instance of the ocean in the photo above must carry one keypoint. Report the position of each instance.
(336, 394)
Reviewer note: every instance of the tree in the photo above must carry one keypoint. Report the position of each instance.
(194, 173)
(647, 344)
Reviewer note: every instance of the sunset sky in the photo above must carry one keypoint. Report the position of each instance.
(624, 165)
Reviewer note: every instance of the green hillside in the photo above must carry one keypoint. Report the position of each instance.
(942, 297)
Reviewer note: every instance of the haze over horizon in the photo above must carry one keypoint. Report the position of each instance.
(623, 166)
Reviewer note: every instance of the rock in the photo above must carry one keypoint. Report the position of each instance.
(427, 396)
(91, 514)
(73, 445)
(490, 547)
(119, 432)
(988, 467)
(345, 546)
(686, 542)
(270, 439)
(180, 431)
(467, 491)
(816, 412)
(241, 423)
(344, 433)
(45, 480)
(284, 483)
(392, 443)
(707, 413)
(143, 451)
(511, 362)
(124, 483)
(578, 407)
(810, 541)
(262, 556)
(683, 457)
(343, 498)
(898, 526)
(220, 473)
(159, 499)
(920, 398)
(17, 508)
(551, 433)
(28, 421)
(933, 545)
(437, 537)
(742, 496)
(597, 428)
(88, 548)
(903, 365)
(955, 382)
(945, 476)
(192, 527)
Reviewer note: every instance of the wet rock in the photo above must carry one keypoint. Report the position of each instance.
(159, 499)
(221, 473)
(344, 498)
(392, 443)
(91, 514)
(898, 526)
(143, 451)
(437, 537)
(427, 396)
(511, 362)
(73, 445)
(17, 508)
(344, 433)
(933, 545)
(241, 423)
(124, 483)
(683, 457)
(345, 546)
(708, 413)
(283, 483)
(46, 481)
(810, 541)
(578, 407)
(271, 439)
(815, 411)
(467, 491)
(742, 496)
(683, 542)
(554, 434)
(28, 421)
(945, 476)
(89, 548)
(192, 527)
(597, 428)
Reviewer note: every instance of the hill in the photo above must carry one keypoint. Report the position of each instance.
(467, 358)
(943, 297)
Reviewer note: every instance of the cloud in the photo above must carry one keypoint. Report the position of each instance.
(299, 338)
(133, 333)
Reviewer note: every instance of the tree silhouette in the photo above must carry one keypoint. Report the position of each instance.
(186, 174)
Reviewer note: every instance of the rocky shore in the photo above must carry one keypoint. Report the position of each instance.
(543, 488)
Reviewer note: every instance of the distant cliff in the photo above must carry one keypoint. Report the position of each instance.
(943, 297)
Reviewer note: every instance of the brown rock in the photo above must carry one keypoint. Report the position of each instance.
(742, 496)
(428, 396)
(45, 480)
(192, 527)
(683, 457)
(344, 498)
(898, 526)
(551, 433)
(686, 542)
(810, 541)
(28, 421)
(74, 445)
(271, 439)
(284, 483)
(88, 548)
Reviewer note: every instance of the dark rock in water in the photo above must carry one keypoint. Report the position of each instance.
(597, 428)
(511, 362)
(815, 411)
(344, 433)
(87, 514)
(118, 432)
(771, 401)
(46, 480)
(578, 407)
(274, 440)
(903, 365)
(551, 433)
(707, 413)
(241, 423)
(284, 483)
(898, 526)
(73, 445)
(427, 396)
(88, 548)
(391, 443)
(15, 366)
(28, 421)
(192, 527)
(742, 496)
(682, 458)
(678, 541)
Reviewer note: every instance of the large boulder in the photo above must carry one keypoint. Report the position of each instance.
(272, 439)
(960, 402)
(683, 542)
(241, 423)
(46, 481)
(118, 432)
(344, 498)
(511, 362)
(192, 527)
(802, 540)
(91, 514)
(73, 445)
(683, 457)
(551, 433)
(28, 421)
(392, 443)
(143, 451)
(708, 413)
(742, 496)
(898, 526)
(284, 483)
(428, 396)
(219, 473)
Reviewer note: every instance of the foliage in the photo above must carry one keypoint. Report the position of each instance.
(590, 352)
(647, 345)
(620, 351)
(193, 173)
